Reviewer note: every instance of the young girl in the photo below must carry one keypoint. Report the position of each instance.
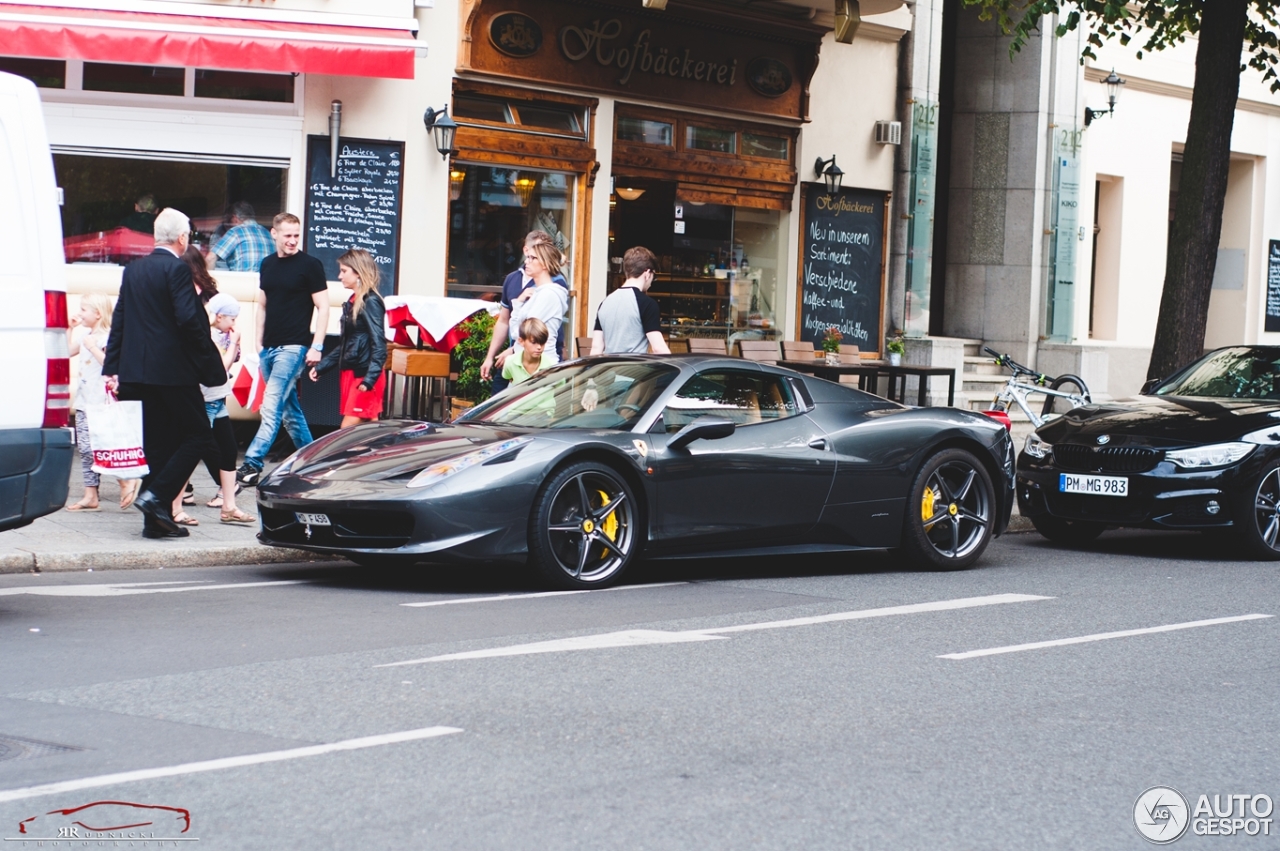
(224, 309)
(87, 339)
(531, 354)
(363, 350)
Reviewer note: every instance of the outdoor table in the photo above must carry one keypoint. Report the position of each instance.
(821, 369)
(896, 373)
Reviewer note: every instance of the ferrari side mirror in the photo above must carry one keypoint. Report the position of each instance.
(1148, 386)
(703, 428)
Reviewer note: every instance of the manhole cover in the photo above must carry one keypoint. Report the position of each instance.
(12, 747)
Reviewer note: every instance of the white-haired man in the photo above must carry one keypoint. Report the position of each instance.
(158, 354)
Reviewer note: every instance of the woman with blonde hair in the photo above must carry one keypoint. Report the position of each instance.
(363, 350)
(545, 300)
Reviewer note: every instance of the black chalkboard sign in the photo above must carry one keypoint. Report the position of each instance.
(360, 208)
(842, 266)
(1273, 286)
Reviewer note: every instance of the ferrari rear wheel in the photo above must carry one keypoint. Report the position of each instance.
(583, 528)
(950, 511)
(1071, 532)
(1262, 518)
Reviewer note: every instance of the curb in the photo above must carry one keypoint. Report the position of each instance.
(23, 561)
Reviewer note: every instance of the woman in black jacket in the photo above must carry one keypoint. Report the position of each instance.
(363, 350)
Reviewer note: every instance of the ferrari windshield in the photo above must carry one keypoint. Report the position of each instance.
(580, 394)
(1241, 372)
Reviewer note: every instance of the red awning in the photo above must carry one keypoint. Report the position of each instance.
(202, 42)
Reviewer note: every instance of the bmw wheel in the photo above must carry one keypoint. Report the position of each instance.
(950, 510)
(583, 530)
(1260, 518)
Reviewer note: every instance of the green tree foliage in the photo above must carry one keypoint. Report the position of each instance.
(1229, 34)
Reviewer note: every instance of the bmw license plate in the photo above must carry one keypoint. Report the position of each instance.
(313, 519)
(1094, 485)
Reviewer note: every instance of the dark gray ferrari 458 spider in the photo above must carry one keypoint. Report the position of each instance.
(595, 462)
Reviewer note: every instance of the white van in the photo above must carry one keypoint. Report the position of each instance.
(36, 446)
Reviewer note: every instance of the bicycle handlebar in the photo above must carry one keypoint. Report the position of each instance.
(1005, 360)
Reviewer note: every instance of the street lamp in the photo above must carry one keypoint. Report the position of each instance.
(830, 172)
(442, 129)
(1113, 84)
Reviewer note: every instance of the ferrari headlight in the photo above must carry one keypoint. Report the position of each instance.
(1036, 448)
(1217, 455)
(444, 469)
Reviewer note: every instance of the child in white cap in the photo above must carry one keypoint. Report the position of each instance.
(223, 310)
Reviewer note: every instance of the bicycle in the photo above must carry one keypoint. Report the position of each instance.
(1017, 391)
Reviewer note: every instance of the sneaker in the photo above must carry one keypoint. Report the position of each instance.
(248, 475)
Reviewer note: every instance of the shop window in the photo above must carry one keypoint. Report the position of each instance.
(711, 139)
(243, 85)
(135, 79)
(770, 147)
(45, 73)
(110, 203)
(548, 117)
(645, 131)
(540, 116)
(481, 109)
(491, 210)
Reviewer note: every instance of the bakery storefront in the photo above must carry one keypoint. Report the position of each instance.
(688, 120)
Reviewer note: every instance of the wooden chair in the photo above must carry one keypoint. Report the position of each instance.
(583, 345)
(798, 350)
(678, 347)
(849, 354)
(765, 351)
(706, 346)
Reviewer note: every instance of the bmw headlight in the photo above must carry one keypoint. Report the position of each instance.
(1203, 457)
(445, 469)
(1036, 448)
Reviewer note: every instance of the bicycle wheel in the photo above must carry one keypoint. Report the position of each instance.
(1055, 405)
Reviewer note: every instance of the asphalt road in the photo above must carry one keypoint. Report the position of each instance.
(771, 704)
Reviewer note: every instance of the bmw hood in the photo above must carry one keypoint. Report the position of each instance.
(389, 449)
(1164, 421)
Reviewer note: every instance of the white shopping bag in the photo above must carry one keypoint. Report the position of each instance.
(115, 436)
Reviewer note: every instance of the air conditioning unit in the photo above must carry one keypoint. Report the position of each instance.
(888, 132)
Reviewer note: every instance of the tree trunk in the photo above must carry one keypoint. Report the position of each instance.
(1202, 192)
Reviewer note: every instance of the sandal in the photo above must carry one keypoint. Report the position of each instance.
(189, 495)
(216, 502)
(83, 506)
(182, 518)
(238, 516)
(129, 492)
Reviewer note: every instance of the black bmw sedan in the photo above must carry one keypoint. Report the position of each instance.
(1199, 450)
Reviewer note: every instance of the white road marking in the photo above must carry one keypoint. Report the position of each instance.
(220, 764)
(531, 596)
(124, 589)
(641, 637)
(1101, 636)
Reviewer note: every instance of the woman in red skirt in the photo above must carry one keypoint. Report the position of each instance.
(363, 351)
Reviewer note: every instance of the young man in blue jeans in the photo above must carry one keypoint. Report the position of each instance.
(291, 285)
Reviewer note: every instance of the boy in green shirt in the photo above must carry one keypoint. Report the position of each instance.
(531, 339)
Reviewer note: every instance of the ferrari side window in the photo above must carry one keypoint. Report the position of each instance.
(744, 398)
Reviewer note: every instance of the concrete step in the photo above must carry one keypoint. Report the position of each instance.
(983, 364)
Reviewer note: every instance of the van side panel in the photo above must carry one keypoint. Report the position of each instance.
(42, 489)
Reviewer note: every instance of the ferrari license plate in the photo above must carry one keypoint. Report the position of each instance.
(1095, 485)
(313, 519)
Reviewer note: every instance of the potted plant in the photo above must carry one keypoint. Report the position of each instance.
(896, 348)
(831, 346)
(468, 355)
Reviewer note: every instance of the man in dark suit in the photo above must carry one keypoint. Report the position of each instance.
(159, 342)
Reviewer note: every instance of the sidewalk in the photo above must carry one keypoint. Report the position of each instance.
(112, 538)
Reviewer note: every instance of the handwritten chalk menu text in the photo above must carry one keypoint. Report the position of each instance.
(1273, 286)
(842, 266)
(360, 208)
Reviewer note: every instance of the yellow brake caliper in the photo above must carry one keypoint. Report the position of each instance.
(609, 526)
(927, 503)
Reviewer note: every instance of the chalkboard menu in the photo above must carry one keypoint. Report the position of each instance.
(842, 265)
(1273, 286)
(360, 208)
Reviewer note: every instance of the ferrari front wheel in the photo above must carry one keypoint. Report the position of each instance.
(949, 513)
(583, 530)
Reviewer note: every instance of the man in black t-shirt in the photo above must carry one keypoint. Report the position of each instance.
(292, 284)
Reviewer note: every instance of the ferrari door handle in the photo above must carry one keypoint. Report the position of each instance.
(819, 443)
